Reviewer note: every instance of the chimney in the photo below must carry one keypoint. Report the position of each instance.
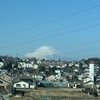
(91, 67)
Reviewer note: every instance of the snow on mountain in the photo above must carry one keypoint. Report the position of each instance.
(45, 52)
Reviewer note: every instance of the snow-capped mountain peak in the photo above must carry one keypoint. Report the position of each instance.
(44, 52)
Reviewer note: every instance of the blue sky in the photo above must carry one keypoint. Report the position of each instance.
(69, 26)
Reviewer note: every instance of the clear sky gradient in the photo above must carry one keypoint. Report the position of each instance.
(70, 26)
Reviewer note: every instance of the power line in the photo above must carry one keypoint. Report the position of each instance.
(53, 30)
(69, 52)
(77, 51)
(77, 57)
(52, 36)
(53, 20)
(87, 55)
(82, 50)
(79, 44)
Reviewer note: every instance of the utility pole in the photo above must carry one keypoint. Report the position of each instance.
(12, 77)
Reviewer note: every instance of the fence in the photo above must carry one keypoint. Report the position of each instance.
(61, 98)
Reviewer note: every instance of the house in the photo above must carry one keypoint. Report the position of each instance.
(5, 87)
(25, 65)
(38, 77)
(5, 84)
(23, 84)
(51, 78)
(1, 64)
(35, 66)
(76, 65)
(84, 66)
(38, 61)
(19, 65)
(98, 80)
(58, 77)
(87, 81)
(44, 83)
(70, 64)
(3, 92)
(60, 84)
(77, 85)
(6, 78)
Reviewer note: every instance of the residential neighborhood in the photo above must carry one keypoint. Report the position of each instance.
(31, 73)
(49, 50)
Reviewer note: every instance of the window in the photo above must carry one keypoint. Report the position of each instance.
(3, 76)
(24, 85)
(18, 85)
(31, 83)
(1, 82)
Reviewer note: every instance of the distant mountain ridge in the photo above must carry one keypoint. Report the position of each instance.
(46, 52)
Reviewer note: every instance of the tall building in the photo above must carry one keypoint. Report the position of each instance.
(91, 67)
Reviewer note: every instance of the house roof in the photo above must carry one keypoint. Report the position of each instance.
(88, 82)
(20, 81)
(86, 77)
(5, 81)
(27, 80)
(5, 75)
(25, 77)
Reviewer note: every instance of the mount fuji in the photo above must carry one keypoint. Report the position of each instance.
(46, 52)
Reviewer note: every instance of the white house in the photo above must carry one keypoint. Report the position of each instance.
(1, 64)
(70, 64)
(58, 67)
(51, 78)
(63, 66)
(23, 84)
(35, 66)
(26, 65)
(85, 65)
(38, 77)
(86, 79)
(58, 76)
(76, 65)
(90, 83)
(39, 62)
